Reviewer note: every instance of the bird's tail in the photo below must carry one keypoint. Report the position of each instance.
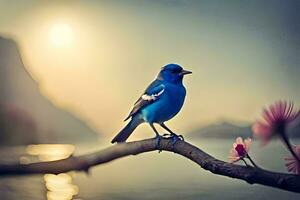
(127, 130)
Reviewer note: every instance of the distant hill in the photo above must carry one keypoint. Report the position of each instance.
(26, 116)
(228, 130)
(222, 130)
(294, 131)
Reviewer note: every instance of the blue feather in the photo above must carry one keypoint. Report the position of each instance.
(160, 102)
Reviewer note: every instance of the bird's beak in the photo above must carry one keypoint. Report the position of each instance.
(185, 72)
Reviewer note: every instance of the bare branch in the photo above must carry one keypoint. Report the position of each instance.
(251, 175)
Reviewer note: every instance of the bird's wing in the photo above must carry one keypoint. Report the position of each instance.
(151, 94)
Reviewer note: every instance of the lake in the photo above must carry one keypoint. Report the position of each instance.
(145, 176)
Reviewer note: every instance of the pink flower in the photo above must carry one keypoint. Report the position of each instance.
(292, 164)
(240, 149)
(275, 120)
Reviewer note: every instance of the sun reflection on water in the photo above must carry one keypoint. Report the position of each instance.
(60, 186)
(50, 152)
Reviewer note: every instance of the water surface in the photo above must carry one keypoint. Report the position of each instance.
(148, 176)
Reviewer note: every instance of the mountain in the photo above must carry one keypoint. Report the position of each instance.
(228, 130)
(26, 116)
(294, 130)
(221, 130)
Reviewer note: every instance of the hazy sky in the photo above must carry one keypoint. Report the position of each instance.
(243, 54)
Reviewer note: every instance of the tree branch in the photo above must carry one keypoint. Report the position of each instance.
(251, 175)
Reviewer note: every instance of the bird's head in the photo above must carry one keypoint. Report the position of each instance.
(172, 73)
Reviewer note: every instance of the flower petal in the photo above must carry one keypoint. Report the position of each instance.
(248, 143)
(292, 163)
(239, 140)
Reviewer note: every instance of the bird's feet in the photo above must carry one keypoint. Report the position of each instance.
(174, 138)
(157, 142)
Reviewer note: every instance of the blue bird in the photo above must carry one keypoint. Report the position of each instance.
(160, 102)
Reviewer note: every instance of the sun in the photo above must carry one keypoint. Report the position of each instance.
(61, 35)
